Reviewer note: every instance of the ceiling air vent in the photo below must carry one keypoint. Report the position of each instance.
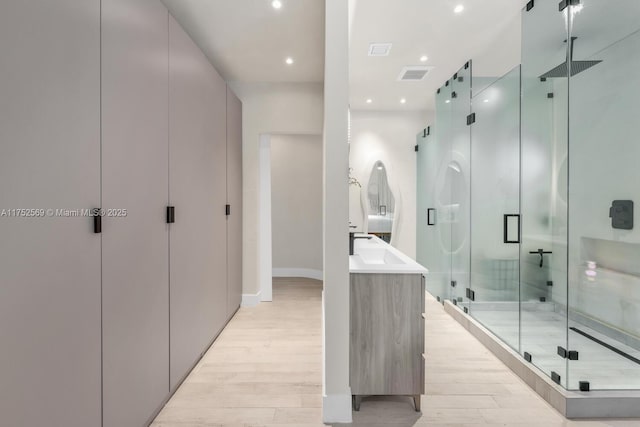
(379, 49)
(414, 73)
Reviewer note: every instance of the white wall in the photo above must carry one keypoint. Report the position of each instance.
(389, 137)
(296, 204)
(265, 259)
(336, 399)
(269, 108)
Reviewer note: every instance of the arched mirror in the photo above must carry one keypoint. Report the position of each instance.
(381, 203)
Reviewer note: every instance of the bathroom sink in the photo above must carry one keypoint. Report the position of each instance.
(374, 255)
(378, 256)
(360, 243)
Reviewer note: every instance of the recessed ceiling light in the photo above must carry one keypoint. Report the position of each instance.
(403, 101)
(486, 100)
(424, 58)
(447, 101)
(369, 101)
(459, 8)
(289, 60)
(379, 168)
(276, 4)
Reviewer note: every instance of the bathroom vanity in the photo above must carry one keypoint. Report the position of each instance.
(387, 294)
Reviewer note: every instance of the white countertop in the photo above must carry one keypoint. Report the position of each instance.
(376, 256)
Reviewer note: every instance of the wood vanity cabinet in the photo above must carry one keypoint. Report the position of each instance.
(386, 335)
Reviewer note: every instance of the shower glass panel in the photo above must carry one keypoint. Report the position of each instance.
(424, 200)
(495, 220)
(442, 192)
(429, 251)
(458, 178)
(604, 252)
(544, 186)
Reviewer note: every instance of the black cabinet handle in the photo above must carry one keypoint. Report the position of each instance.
(431, 219)
(227, 210)
(171, 214)
(506, 228)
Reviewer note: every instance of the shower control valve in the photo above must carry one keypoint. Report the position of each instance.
(541, 252)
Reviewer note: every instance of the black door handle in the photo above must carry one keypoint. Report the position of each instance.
(171, 214)
(431, 219)
(506, 228)
(540, 252)
(97, 220)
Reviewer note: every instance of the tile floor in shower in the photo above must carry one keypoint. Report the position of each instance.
(543, 330)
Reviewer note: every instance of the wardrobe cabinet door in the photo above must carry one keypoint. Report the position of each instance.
(135, 178)
(197, 190)
(234, 198)
(49, 265)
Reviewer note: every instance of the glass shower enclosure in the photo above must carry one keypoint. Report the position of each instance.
(526, 191)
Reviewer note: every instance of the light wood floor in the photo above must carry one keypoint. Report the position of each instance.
(265, 370)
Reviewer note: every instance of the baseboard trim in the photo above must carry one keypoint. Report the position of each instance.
(250, 300)
(336, 408)
(298, 272)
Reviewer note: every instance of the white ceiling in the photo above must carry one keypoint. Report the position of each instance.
(427, 27)
(248, 40)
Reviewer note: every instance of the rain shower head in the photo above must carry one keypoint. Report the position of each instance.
(576, 66)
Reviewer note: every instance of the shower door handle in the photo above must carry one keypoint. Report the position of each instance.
(506, 228)
(431, 216)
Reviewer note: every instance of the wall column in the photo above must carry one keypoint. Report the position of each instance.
(335, 299)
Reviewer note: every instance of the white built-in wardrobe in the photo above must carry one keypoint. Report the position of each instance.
(109, 104)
